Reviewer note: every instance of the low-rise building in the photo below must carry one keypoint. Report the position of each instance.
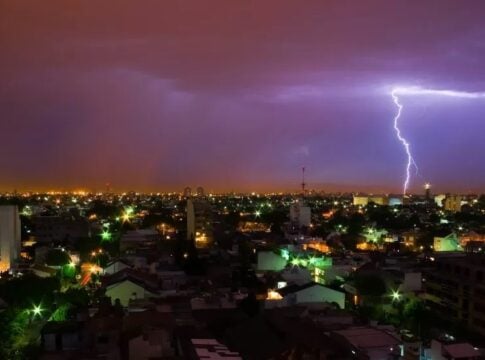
(304, 294)
(365, 342)
(451, 351)
(128, 285)
(115, 266)
(139, 239)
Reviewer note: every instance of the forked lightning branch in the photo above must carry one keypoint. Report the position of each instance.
(417, 91)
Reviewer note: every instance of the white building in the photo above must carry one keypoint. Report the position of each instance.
(127, 286)
(9, 236)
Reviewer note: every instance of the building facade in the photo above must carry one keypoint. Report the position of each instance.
(457, 289)
(9, 236)
(199, 222)
(452, 203)
(300, 214)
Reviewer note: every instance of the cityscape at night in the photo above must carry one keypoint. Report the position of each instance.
(254, 180)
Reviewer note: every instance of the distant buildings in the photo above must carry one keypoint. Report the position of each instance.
(364, 200)
(427, 192)
(10, 236)
(200, 191)
(452, 203)
(187, 192)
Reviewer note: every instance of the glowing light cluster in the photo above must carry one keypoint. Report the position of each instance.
(413, 91)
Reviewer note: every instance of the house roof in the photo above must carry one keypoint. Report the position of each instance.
(290, 289)
(144, 280)
(59, 327)
(461, 351)
(123, 261)
(138, 320)
(255, 339)
(45, 269)
(368, 337)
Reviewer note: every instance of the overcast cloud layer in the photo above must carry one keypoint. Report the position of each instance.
(238, 95)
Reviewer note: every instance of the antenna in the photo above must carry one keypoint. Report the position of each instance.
(303, 184)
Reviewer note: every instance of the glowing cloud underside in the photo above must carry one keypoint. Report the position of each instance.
(395, 93)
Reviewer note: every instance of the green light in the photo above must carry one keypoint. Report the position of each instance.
(257, 213)
(396, 296)
(129, 210)
(27, 211)
(106, 235)
(69, 270)
(295, 262)
(285, 254)
(37, 310)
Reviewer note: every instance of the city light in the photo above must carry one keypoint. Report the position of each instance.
(37, 310)
(285, 254)
(127, 214)
(106, 235)
(396, 296)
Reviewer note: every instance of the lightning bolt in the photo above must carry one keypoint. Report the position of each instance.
(420, 91)
(405, 143)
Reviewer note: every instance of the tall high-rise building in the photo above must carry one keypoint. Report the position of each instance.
(9, 236)
(200, 191)
(300, 214)
(427, 190)
(187, 192)
(199, 222)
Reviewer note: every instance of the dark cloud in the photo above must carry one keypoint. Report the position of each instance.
(159, 94)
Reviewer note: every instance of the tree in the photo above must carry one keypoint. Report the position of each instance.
(370, 285)
(75, 296)
(57, 257)
(29, 290)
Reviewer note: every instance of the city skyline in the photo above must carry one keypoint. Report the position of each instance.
(239, 97)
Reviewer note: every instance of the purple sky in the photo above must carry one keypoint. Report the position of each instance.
(238, 95)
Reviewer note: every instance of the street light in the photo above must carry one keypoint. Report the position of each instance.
(37, 310)
(396, 296)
